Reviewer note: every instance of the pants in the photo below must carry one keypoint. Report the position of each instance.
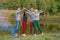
(37, 24)
(37, 31)
(31, 27)
(17, 27)
(24, 27)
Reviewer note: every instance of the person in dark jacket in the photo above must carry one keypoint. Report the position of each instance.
(24, 22)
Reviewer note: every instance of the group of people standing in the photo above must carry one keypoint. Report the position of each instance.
(34, 21)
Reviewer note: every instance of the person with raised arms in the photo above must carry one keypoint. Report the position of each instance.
(36, 21)
(18, 19)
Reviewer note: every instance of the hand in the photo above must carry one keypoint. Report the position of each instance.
(24, 8)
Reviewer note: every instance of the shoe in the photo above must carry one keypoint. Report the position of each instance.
(23, 35)
(34, 34)
(15, 36)
(41, 33)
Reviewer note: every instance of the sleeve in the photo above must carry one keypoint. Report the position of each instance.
(17, 12)
(28, 12)
(40, 11)
(21, 10)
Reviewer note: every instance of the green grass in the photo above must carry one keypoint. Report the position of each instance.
(46, 36)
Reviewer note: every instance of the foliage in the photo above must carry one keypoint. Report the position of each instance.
(51, 6)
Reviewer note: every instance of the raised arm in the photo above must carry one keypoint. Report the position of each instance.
(40, 11)
(21, 10)
(28, 11)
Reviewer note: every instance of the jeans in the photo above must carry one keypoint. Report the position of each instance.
(17, 27)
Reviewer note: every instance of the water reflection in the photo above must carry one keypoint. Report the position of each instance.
(4, 24)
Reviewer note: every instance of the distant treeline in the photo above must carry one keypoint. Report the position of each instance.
(51, 6)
